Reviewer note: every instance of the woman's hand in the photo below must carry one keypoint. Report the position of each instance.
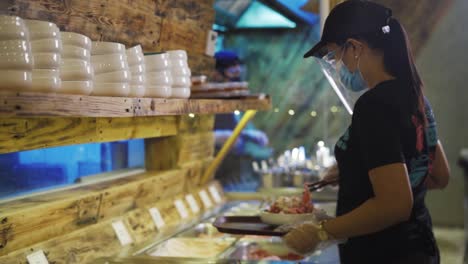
(303, 239)
(331, 174)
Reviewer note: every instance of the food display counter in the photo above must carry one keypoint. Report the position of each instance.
(200, 242)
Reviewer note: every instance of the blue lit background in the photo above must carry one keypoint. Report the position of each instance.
(33, 170)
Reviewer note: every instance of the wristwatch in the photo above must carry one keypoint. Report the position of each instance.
(322, 233)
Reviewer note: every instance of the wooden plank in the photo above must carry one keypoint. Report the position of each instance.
(17, 134)
(112, 129)
(48, 105)
(33, 219)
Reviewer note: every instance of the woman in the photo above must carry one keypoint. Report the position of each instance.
(390, 155)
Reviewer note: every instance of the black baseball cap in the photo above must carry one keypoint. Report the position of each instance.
(348, 19)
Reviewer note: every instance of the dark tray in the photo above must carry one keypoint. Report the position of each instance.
(245, 225)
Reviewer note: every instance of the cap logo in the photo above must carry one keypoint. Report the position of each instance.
(386, 29)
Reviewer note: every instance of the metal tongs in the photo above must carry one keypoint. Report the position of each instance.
(319, 185)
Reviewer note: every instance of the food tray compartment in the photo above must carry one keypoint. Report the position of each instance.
(262, 251)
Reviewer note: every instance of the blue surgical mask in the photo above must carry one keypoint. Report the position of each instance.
(352, 81)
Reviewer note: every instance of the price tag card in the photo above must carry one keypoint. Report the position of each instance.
(37, 257)
(205, 199)
(192, 203)
(122, 233)
(215, 194)
(181, 209)
(157, 218)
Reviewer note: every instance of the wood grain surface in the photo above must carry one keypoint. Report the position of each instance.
(43, 105)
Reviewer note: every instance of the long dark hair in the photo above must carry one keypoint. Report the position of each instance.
(399, 62)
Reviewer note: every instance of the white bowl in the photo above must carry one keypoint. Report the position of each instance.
(16, 61)
(178, 54)
(157, 62)
(103, 47)
(135, 59)
(21, 46)
(41, 25)
(158, 91)
(42, 29)
(109, 67)
(181, 81)
(158, 74)
(181, 71)
(73, 52)
(137, 90)
(138, 79)
(109, 58)
(135, 50)
(111, 89)
(137, 69)
(113, 77)
(159, 80)
(46, 60)
(78, 87)
(282, 219)
(76, 73)
(15, 80)
(46, 45)
(13, 34)
(74, 62)
(11, 20)
(75, 39)
(181, 93)
(49, 85)
(179, 63)
(45, 74)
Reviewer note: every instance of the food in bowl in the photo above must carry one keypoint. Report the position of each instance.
(293, 205)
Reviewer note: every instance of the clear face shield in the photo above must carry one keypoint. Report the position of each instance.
(339, 78)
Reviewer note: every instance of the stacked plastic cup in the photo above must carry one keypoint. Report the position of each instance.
(136, 62)
(158, 76)
(111, 72)
(76, 71)
(180, 74)
(46, 47)
(16, 61)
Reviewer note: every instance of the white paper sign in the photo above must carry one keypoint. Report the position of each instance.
(122, 233)
(181, 209)
(192, 203)
(205, 199)
(157, 218)
(37, 257)
(215, 194)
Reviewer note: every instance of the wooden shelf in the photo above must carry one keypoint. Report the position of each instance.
(42, 104)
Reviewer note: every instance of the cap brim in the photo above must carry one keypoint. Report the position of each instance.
(316, 50)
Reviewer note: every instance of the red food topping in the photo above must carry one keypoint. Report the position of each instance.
(293, 205)
(261, 254)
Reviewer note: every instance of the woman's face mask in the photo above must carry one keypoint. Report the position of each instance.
(352, 81)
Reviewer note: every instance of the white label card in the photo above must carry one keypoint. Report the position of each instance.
(37, 257)
(192, 203)
(157, 218)
(122, 233)
(215, 194)
(181, 209)
(205, 199)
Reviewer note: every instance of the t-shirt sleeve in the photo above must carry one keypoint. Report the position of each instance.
(378, 129)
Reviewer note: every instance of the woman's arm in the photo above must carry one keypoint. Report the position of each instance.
(392, 204)
(439, 178)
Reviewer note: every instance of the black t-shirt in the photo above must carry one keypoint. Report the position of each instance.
(385, 130)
